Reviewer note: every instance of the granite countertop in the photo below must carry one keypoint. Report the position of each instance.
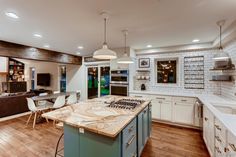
(209, 100)
(94, 115)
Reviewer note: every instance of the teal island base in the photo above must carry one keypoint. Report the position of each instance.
(128, 143)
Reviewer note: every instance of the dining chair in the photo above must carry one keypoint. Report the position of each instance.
(42, 102)
(60, 102)
(78, 94)
(35, 110)
(72, 99)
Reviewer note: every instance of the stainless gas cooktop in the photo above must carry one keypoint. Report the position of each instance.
(128, 104)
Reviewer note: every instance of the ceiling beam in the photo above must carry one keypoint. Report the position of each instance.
(8, 49)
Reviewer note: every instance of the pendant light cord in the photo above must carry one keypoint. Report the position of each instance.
(220, 37)
(105, 31)
(125, 43)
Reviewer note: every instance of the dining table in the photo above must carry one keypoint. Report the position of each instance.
(50, 97)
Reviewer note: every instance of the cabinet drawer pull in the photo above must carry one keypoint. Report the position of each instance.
(131, 129)
(232, 146)
(206, 119)
(137, 96)
(226, 149)
(218, 139)
(183, 100)
(160, 98)
(134, 155)
(218, 127)
(217, 149)
(130, 141)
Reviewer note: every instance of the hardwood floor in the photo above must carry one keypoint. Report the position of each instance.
(19, 140)
(171, 141)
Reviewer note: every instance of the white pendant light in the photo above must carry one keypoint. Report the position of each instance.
(221, 55)
(125, 59)
(104, 52)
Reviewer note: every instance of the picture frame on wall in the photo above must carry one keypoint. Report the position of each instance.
(144, 62)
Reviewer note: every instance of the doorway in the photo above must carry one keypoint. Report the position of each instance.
(98, 81)
(62, 72)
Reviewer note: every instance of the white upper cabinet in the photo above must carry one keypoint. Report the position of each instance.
(3, 64)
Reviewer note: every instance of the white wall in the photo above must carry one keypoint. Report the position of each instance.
(228, 89)
(76, 79)
(42, 67)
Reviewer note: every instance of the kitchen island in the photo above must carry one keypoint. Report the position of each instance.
(105, 127)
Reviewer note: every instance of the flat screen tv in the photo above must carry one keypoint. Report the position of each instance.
(43, 79)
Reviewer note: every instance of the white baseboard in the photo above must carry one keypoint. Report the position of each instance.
(14, 116)
(177, 124)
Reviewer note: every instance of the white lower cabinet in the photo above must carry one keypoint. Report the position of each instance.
(183, 113)
(166, 111)
(219, 141)
(171, 108)
(208, 130)
(231, 145)
(156, 109)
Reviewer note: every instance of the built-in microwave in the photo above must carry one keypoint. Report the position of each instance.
(119, 76)
(119, 84)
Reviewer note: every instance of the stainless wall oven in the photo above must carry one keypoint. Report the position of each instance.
(119, 84)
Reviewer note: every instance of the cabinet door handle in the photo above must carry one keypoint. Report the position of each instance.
(130, 141)
(206, 119)
(160, 98)
(131, 129)
(232, 146)
(218, 127)
(218, 139)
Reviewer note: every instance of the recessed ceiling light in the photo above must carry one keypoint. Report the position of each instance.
(46, 46)
(78, 53)
(195, 40)
(80, 47)
(149, 46)
(37, 35)
(12, 15)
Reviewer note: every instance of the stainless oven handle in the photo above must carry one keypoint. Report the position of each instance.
(125, 75)
(119, 85)
(122, 83)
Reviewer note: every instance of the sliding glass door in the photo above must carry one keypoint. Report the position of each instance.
(104, 81)
(98, 81)
(92, 82)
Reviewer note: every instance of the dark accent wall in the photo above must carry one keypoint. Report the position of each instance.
(8, 49)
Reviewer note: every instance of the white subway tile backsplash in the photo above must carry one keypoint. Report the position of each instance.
(210, 87)
(227, 89)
